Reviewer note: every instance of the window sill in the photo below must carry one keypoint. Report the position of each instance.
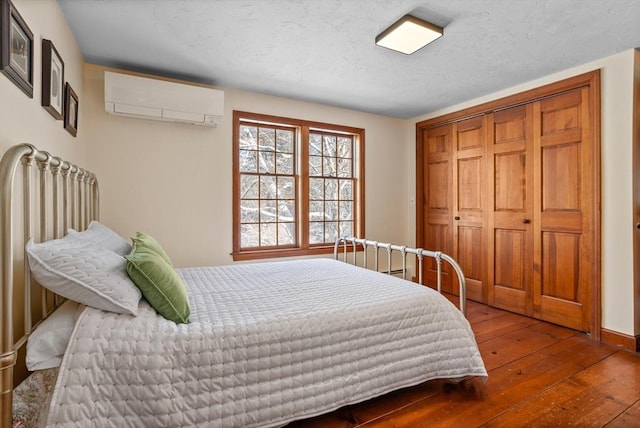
(276, 253)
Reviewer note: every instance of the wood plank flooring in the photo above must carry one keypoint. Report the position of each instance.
(540, 375)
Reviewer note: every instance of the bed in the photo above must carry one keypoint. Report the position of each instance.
(265, 343)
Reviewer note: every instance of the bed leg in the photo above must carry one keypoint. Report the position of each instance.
(7, 361)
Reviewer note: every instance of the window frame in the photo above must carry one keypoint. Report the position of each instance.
(302, 248)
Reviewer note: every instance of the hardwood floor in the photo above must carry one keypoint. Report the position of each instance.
(540, 375)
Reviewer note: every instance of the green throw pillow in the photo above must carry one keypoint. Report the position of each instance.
(160, 284)
(144, 240)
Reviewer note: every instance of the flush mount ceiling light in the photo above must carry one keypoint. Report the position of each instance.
(408, 35)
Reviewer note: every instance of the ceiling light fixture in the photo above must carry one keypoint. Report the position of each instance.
(408, 35)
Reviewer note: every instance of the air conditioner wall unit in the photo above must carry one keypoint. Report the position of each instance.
(145, 98)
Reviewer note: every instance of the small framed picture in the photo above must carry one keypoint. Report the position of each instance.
(70, 110)
(52, 80)
(16, 48)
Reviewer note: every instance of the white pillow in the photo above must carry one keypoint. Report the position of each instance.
(99, 235)
(48, 342)
(94, 276)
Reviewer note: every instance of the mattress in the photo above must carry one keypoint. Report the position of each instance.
(268, 343)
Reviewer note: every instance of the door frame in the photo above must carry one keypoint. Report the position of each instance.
(591, 81)
(636, 194)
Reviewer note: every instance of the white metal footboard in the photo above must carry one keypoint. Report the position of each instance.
(418, 252)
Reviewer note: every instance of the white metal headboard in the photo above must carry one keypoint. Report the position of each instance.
(66, 196)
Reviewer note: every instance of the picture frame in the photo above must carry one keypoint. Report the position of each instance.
(53, 94)
(70, 110)
(16, 48)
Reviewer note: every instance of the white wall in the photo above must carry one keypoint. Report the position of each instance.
(617, 222)
(23, 118)
(174, 181)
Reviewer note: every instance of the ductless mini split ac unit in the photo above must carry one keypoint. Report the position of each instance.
(144, 98)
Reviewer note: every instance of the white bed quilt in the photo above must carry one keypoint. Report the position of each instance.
(268, 343)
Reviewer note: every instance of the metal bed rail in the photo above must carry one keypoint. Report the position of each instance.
(419, 254)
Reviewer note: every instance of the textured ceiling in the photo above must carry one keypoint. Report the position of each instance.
(324, 51)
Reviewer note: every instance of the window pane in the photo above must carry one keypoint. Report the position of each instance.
(346, 190)
(329, 145)
(329, 167)
(344, 168)
(267, 211)
(267, 163)
(267, 187)
(249, 235)
(315, 144)
(286, 234)
(344, 147)
(346, 228)
(284, 163)
(315, 166)
(286, 188)
(316, 210)
(286, 211)
(284, 141)
(248, 161)
(248, 187)
(316, 189)
(249, 211)
(330, 231)
(331, 210)
(331, 190)
(248, 138)
(267, 139)
(268, 235)
(346, 210)
(316, 232)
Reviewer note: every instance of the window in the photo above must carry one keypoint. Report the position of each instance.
(298, 185)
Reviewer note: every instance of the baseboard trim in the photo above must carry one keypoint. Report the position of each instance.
(622, 340)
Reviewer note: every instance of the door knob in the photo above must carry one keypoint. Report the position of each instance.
(526, 221)
(637, 225)
(457, 217)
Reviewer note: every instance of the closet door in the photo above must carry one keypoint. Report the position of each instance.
(563, 236)
(520, 210)
(437, 145)
(510, 206)
(469, 194)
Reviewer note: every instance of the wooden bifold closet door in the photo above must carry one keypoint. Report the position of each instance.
(454, 165)
(511, 192)
(510, 199)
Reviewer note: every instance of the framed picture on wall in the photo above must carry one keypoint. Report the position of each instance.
(70, 110)
(16, 48)
(52, 80)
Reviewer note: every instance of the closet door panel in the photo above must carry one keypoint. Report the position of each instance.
(470, 185)
(560, 261)
(510, 181)
(469, 252)
(469, 174)
(561, 163)
(437, 180)
(438, 202)
(511, 201)
(561, 185)
(562, 236)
